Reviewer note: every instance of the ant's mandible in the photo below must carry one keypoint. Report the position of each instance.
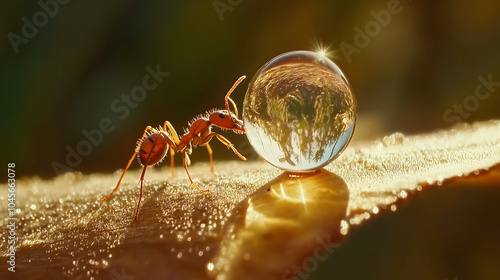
(153, 146)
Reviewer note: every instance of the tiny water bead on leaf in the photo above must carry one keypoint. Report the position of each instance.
(299, 111)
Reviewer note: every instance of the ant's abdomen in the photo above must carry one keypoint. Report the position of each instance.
(154, 147)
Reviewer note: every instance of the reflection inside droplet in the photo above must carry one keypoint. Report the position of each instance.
(299, 111)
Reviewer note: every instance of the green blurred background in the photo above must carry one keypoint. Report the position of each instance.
(80, 60)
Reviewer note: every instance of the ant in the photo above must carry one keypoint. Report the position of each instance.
(153, 146)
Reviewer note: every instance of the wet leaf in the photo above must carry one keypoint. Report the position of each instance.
(254, 222)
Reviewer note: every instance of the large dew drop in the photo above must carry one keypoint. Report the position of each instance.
(299, 111)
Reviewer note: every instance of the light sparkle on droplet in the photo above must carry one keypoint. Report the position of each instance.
(403, 194)
(299, 111)
(210, 266)
(344, 227)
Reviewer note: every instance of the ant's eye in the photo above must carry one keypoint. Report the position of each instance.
(221, 115)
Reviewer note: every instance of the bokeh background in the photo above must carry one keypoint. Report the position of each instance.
(64, 79)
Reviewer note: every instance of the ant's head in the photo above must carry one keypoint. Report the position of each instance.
(226, 120)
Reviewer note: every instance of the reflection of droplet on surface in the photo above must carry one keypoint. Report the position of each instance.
(299, 111)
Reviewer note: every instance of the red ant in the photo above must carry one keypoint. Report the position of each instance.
(153, 146)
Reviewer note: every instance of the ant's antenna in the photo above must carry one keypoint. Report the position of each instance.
(229, 98)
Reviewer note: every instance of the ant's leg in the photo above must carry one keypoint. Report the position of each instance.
(188, 160)
(172, 131)
(229, 145)
(148, 128)
(146, 164)
(140, 193)
(172, 154)
(209, 149)
(229, 93)
(185, 168)
(172, 147)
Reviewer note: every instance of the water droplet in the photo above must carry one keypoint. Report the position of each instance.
(403, 194)
(299, 111)
(394, 139)
(344, 227)
(210, 266)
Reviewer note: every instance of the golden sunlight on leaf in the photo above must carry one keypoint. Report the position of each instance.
(254, 223)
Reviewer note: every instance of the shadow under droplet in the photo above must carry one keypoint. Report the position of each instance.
(281, 224)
